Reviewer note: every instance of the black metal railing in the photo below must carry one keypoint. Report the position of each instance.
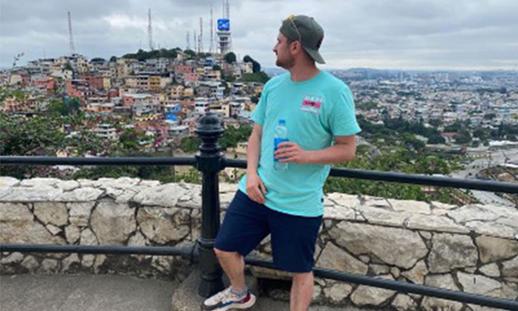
(210, 161)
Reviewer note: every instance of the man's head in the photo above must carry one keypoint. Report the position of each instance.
(299, 37)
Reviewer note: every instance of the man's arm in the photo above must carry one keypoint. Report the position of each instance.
(254, 185)
(343, 150)
(254, 149)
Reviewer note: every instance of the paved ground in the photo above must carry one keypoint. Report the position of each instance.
(83, 293)
(111, 293)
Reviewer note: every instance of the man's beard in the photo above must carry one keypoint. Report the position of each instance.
(286, 64)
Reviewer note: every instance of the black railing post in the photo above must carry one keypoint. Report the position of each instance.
(209, 159)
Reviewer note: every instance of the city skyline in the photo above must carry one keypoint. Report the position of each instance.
(409, 34)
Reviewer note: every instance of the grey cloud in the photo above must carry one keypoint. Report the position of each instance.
(405, 33)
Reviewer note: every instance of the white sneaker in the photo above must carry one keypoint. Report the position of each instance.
(226, 300)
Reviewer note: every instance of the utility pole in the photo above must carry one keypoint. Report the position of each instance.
(188, 40)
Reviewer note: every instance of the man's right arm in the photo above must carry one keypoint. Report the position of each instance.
(254, 185)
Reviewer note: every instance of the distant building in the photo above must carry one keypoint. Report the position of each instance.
(106, 131)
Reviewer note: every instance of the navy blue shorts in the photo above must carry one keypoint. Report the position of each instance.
(293, 238)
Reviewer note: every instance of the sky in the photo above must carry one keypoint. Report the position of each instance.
(384, 34)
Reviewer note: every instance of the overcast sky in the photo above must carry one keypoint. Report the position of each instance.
(418, 34)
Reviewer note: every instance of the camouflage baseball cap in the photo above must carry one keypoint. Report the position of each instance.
(306, 30)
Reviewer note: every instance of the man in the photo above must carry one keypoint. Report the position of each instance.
(318, 111)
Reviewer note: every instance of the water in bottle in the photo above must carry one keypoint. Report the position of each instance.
(281, 135)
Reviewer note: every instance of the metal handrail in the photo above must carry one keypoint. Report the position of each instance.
(493, 186)
(43, 160)
(484, 185)
(191, 251)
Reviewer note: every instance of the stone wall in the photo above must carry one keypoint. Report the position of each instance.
(473, 248)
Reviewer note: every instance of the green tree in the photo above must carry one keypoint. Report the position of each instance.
(190, 144)
(435, 122)
(261, 77)
(38, 135)
(190, 53)
(256, 67)
(30, 136)
(230, 58)
(64, 107)
(464, 137)
(232, 136)
(98, 60)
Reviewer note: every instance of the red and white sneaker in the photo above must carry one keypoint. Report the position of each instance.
(227, 300)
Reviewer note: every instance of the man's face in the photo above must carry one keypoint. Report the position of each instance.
(282, 50)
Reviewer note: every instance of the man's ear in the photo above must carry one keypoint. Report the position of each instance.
(295, 46)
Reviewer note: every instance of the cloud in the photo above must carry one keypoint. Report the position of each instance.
(359, 33)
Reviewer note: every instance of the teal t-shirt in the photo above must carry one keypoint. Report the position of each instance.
(315, 110)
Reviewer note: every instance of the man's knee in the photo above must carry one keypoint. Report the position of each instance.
(302, 276)
(224, 254)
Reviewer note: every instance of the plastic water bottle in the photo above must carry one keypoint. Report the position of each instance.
(281, 135)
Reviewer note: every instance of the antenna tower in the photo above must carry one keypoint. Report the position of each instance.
(200, 37)
(150, 30)
(70, 37)
(211, 28)
(195, 41)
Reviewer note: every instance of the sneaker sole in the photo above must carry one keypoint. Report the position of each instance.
(246, 305)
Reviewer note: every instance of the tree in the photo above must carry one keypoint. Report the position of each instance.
(435, 122)
(436, 139)
(230, 58)
(464, 137)
(113, 59)
(256, 67)
(190, 53)
(30, 136)
(190, 144)
(233, 135)
(97, 60)
(68, 67)
(489, 116)
(261, 77)
(142, 55)
(64, 107)
(128, 140)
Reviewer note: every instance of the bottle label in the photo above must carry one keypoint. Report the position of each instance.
(276, 142)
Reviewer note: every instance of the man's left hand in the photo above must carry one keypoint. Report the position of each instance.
(290, 152)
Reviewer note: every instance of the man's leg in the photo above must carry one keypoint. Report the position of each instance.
(301, 291)
(234, 266)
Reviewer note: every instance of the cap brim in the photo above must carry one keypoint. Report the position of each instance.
(315, 55)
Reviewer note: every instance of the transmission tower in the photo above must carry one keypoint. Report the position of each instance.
(224, 33)
(227, 9)
(195, 41)
(15, 60)
(211, 27)
(70, 37)
(200, 37)
(150, 30)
